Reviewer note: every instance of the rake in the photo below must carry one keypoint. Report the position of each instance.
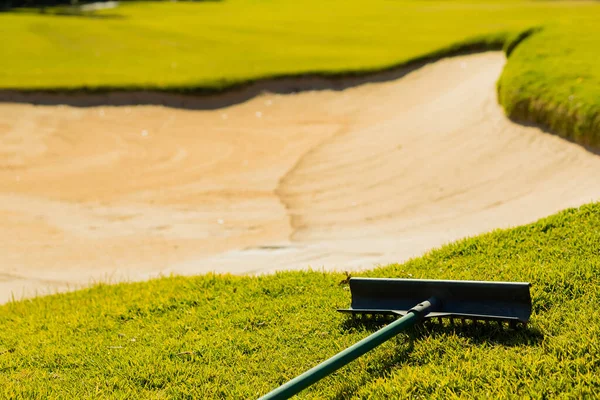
(414, 300)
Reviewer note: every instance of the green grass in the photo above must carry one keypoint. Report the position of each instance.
(553, 78)
(188, 46)
(238, 337)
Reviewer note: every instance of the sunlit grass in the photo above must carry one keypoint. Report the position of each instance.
(184, 46)
(553, 78)
(214, 337)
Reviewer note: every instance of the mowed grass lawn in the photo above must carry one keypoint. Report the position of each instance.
(553, 78)
(163, 45)
(217, 337)
(239, 337)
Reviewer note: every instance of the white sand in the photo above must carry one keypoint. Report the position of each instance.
(374, 174)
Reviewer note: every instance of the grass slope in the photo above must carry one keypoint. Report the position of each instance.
(238, 337)
(553, 78)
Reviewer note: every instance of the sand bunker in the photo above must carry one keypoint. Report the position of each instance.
(342, 180)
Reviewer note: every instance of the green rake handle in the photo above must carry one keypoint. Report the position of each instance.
(336, 362)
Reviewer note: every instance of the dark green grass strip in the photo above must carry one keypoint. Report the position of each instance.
(216, 337)
(476, 44)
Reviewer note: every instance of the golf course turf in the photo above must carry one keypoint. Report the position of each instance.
(225, 336)
(238, 337)
(553, 79)
(210, 46)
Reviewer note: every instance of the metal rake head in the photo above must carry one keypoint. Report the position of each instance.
(471, 300)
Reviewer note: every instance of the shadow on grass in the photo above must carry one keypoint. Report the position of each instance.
(226, 93)
(399, 358)
(478, 333)
(77, 11)
(545, 128)
(64, 8)
(75, 14)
